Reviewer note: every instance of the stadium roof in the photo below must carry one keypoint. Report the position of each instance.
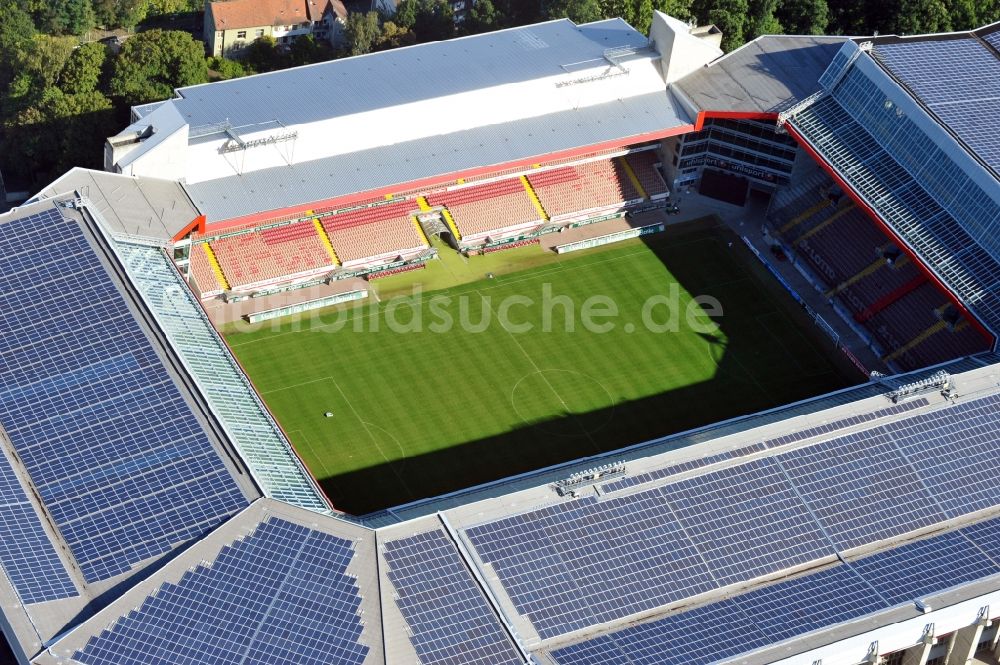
(397, 77)
(110, 460)
(451, 585)
(438, 157)
(956, 77)
(139, 207)
(766, 75)
(335, 129)
(898, 159)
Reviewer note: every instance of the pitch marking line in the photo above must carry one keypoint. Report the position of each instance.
(538, 369)
(312, 449)
(368, 427)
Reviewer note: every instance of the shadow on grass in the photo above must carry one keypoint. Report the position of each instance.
(756, 371)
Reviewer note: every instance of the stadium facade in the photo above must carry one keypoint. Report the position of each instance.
(156, 513)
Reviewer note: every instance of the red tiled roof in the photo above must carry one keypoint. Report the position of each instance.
(233, 14)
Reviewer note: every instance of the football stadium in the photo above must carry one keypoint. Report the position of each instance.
(305, 375)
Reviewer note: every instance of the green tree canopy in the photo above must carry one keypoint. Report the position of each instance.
(578, 11)
(17, 33)
(84, 68)
(151, 64)
(263, 55)
(361, 33)
(406, 13)
(804, 17)
(226, 69)
(303, 51)
(435, 21)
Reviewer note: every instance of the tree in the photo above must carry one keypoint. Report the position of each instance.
(623, 9)
(729, 15)
(226, 69)
(17, 32)
(263, 55)
(57, 132)
(578, 11)
(643, 16)
(303, 51)
(151, 64)
(43, 60)
(361, 33)
(804, 17)
(83, 70)
(435, 21)
(394, 36)
(919, 16)
(483, 17)
(406, 13)
(62, 17)
(680, 9)
(760, 19)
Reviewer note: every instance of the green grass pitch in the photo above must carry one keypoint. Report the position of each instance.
(417, 414)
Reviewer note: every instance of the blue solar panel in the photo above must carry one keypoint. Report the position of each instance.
(449, 618)
(676, 469)
(27, 555)
(746, 521)
(917, 569)
(797, 606)
(702, 635)
(114, 451)
(281, 595)
(583, 562)
(861, 488)
(953, 451)
(993, 39)
(731, 626)
(959, 80)
(986, 536)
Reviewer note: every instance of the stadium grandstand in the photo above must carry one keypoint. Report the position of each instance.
(156, 514)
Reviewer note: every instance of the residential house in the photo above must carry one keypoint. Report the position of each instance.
(231, 25)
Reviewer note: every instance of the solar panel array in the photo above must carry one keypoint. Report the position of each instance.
(450, 620)
(986, 536)
(580, 563)
(961, 481)
(733, 625)
(861, 488)
(26, 553)
(112, 448)
(922, 567)
(959, 80)
(281, 595)
(844, 423)
(676, 469)
(781, 611)
(994, 39)
(747, 521)
(593, 560)
(799, 435)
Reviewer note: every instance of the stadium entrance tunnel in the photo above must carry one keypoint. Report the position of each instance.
(765, 351)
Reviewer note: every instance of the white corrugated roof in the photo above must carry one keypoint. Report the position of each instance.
(401, 76)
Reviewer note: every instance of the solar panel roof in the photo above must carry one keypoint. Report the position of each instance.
(27, 555)
(449, 618)
(280, 595)
(957, 79)
(112, 447)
